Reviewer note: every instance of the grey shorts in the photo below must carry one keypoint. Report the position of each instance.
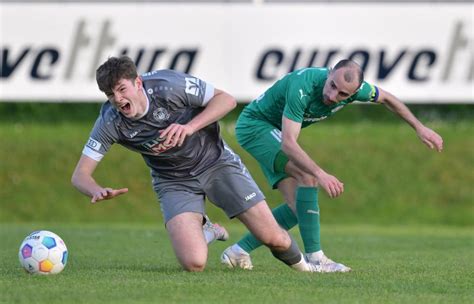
(227, 184)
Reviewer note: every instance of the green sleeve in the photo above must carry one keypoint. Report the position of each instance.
(367, 92)
(297, 98)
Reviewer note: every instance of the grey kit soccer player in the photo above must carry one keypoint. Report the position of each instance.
(170, 118)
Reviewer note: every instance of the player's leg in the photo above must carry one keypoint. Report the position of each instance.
(259, 219)
(305, 202)
(229, 186)
(187, 238)
(264, 144)
(283, 214)
(262, 224)
(241, 250)
(265, 147)
(182, 205)
(284, 217)
(306, 206)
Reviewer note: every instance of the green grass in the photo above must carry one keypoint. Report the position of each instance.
(407, 214)
(389, 175)
(134, 263)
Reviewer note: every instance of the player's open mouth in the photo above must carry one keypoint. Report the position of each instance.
(125, 107)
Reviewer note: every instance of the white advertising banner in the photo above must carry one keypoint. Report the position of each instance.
(423, 53)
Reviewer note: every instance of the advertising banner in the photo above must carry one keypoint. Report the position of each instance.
(422, 53)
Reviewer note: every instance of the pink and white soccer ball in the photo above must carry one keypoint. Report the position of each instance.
(43, 252)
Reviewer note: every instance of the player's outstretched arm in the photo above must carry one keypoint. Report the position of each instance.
(429, 137)
(84, 182)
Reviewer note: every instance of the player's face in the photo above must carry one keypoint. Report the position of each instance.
(127, 96)
(337, 88)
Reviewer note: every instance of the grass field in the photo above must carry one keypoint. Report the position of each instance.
(404, 223)
(114, 263)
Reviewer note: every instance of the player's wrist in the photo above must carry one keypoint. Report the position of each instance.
(419, 128)
(318, 172)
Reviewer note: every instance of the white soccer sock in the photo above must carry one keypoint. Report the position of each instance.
(318, 255)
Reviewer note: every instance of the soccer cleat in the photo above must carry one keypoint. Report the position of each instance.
(219, 232)
(234, 257)
(325, 263)
(311, 267)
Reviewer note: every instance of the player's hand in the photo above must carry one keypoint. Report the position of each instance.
(175, 134)
(107, 193)
(430, 138)
(330, 184)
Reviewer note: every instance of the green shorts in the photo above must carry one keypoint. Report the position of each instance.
(263, 141)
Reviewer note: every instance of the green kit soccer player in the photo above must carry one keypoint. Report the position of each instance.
(268, 128)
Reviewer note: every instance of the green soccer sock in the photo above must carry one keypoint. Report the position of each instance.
(285, 218)
(307, 210)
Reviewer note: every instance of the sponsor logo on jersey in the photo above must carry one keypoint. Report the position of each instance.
(250, 196)
(93, 144)
(157, 146)
(161, 114)
(192, 86)
(133, 133)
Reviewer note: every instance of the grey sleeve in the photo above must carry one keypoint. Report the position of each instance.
(102, 137)
(198, 91)
(190, 90)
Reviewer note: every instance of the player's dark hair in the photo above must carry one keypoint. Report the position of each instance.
(113, 70)
(347, 63)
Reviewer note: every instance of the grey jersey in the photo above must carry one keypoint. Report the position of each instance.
(173, 97)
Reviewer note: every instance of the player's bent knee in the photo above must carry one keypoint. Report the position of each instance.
(278, 241)
(192, 259)
(193, 265)
(194, 268)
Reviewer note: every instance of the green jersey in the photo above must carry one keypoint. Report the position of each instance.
(299, 96)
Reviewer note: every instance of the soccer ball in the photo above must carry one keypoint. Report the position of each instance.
(43, 252)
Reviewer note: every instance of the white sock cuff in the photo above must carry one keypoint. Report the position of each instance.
(301, 265)
(237, 248)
